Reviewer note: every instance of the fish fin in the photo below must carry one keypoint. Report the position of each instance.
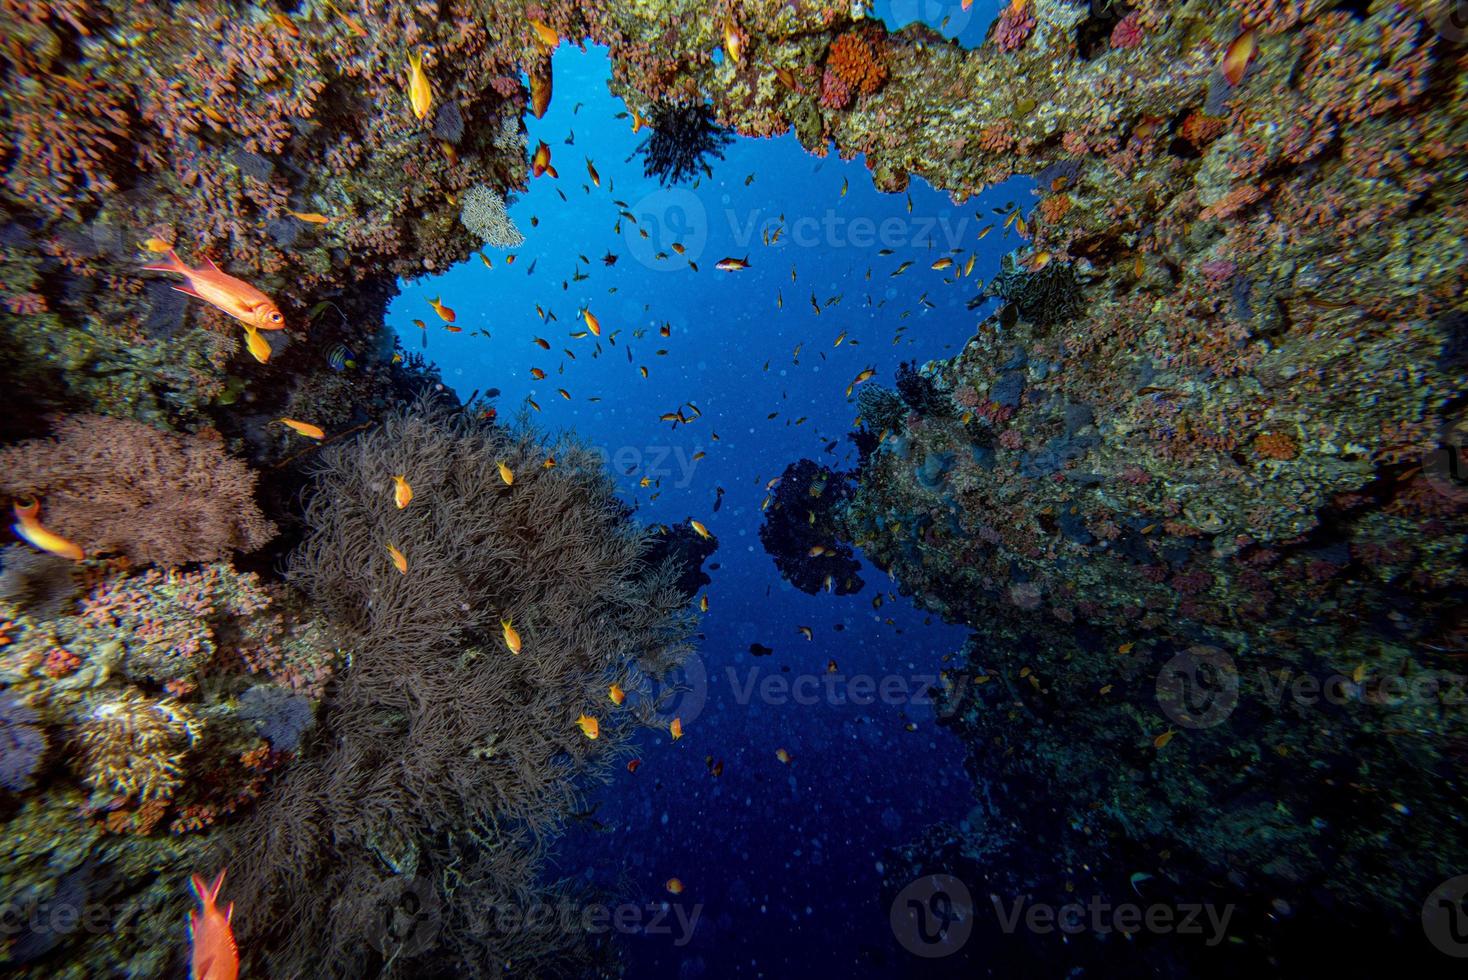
(188, 291)
(229, 912)
(174, 264)
(552, 171)
(210, 263)
(201, 888)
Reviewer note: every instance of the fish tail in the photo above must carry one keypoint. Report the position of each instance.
(174, 264)
(552, 171)
(206, 892)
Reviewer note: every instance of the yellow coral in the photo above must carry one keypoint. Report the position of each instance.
(133, 745)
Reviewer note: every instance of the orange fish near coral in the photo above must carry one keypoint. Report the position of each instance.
(399, 560)
(402, 493)
(592, 323)
(1236, 59)
(733, 41)
(257, 345)
(616, 693)
(215, 956)
(445, 313)
(545, 33)
(304, 428)
(234, 296)
(541, 162)
(28, 525)
(512, 636)
(540, 91)
(676, 729)
(589, 726)
(420, 92)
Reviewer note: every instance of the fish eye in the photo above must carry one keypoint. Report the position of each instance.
(275, 318)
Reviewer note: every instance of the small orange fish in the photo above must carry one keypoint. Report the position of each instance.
(1161, 740)
(632, 766)
(537, 374)
(310, 217)
(699, 529)
(402, 492)
(616, 693)
(592, 323)
(544, 33)
(674, 886)
(1039, 260)
(941, 264)
(285, 23)
(445, 313)
(506, 473)
(589, 726)
(703, 604)
(730, 264)
(157, 245)
(215, 956)
(234, 296)
(540, 163)
(399, 560)
(420, 91)
(304, 428)
(783, 756)
(676, 729)
(453, 329)
(591, 172)
(1236, 59)
(511, 635)
(637, 121)
(540, 92)
(347, 19)
(733, 41)
(28, 525)
(257, 345)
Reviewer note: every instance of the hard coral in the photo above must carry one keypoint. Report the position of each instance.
(1276, 445)
(133, 746)
(1014, 25)
(856, 59)
(115, 485)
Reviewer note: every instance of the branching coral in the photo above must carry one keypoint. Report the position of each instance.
(682, 138)
(115, 485)
(442, 735)
(133, 746)
(482, 210)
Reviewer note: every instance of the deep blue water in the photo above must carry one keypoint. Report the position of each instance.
(780, 863)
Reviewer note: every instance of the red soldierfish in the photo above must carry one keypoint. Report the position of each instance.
(215, 955)
(234, 296)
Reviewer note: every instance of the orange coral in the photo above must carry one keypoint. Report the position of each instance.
(856, 61)
(1054, 207)
(1276, 445)
(1200, 129)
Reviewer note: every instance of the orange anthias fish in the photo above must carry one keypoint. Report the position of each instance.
(541, 162)
(544, 33)
(591, 172)
(512, 636)
(540, 92)
(420, 92)
(1236, 58)
(28, 525)
(402, 493)
(399, 560)
(445, 313)
(234, 296)
(616, 693)
(676, 729)
(215, 956)
(592, 323)
(588, 726)
(256, 344)
(674, 886)
(304, 428)
(699, 529)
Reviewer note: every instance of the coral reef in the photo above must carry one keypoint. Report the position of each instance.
(482, 210)
(115, 486)
(452, 759)
(801, 533)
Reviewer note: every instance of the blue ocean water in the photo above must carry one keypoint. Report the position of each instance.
(781, 864)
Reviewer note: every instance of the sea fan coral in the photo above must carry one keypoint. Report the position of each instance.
(134, 746)
(22, 744)
(857, 60)
(116, 485)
